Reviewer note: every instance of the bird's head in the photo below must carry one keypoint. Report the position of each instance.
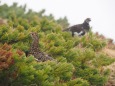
(87, 20)
(34, 35)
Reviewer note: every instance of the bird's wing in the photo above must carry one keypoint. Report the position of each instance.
(76, 28)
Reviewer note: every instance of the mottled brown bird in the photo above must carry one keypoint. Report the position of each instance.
(35, 51)
(79, 29)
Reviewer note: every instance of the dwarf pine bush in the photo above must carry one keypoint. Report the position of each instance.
(77, 61)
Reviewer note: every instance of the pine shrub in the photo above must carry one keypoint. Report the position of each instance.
(77, 59)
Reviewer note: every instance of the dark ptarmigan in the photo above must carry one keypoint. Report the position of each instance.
(79, 29)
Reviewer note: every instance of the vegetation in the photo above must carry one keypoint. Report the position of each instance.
(78, 61)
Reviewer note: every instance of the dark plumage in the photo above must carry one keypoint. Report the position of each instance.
(80, 29)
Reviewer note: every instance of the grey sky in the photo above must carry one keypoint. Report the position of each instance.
(102, 12)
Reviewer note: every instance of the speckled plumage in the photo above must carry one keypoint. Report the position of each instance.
(35, 51)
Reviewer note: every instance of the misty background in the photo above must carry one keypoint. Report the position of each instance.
(101, 12)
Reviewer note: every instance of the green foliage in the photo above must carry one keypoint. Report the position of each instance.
(57, 50)
(66, 73)
(81, 55)
(78, 82)
(63, 22)
(102, 60)
(97, 80)
(92, 75)
(26, 71)
(92, 41)
(77, 62)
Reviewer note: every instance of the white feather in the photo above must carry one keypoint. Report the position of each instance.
(78, 34)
